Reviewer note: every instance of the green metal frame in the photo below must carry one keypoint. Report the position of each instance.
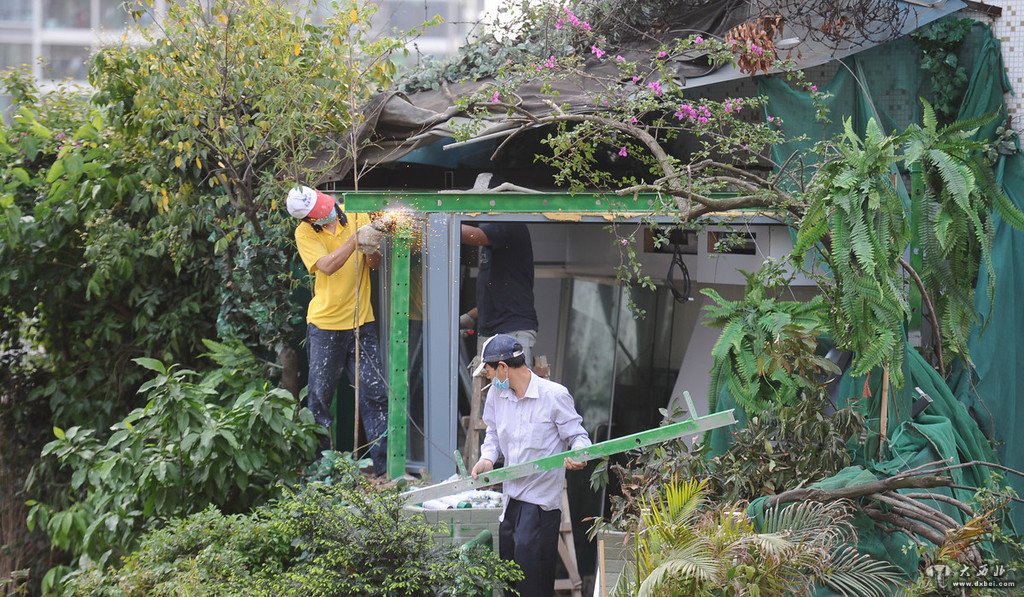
(473, 203)
(398, 357)
(465, 203)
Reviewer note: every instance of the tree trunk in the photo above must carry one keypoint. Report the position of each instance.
(289, 361)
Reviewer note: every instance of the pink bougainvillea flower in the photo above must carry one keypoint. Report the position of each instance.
(636, 79)
(550, 62)
(686, 111)
(655, 86)
(495, 97)
(633, 120)
(585, 26)
(623, 152)
(662, 53)
(814, 88)
(771, 119)
(619, 58)
(596, 51)
(558, 23)
(703, 120)
(756, 49)
(698, 40)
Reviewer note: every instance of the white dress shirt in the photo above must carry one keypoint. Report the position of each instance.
(541, 423)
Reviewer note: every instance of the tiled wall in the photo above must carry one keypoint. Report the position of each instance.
(1009, 28)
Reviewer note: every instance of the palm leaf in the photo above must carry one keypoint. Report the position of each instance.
(858, 575)
(694, 561)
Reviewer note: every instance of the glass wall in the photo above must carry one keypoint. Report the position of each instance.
(16, 10)
(65, 62)
(15, 54)
(67, 14)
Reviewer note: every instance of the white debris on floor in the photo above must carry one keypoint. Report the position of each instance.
(474, 498)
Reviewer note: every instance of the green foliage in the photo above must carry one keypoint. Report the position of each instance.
(780, 448)
(766, 354)
(232, 103)
(787, 447)
(853, 200)
(956, 230)
(88, 258)
(344, 539)
(854, 208)
(684, 547)
(221, 438)
(939, 43)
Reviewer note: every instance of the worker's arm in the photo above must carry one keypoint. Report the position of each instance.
(472, 235)
(334, 260)
(491, 448)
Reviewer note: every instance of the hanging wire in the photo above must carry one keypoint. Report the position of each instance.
(681, 295)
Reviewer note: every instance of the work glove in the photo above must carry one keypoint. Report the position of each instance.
(466, 322)
(368, 239)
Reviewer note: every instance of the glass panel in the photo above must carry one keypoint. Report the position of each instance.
(114, 14)
(65, 62)
(15, 55)
(406, 15)
(16, 10)
(66, 13)
(590, 352)
(643, 381)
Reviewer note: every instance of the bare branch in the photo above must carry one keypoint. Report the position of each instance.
(933, 314)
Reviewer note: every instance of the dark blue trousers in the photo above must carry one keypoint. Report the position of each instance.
(334, 351)
(528, 535)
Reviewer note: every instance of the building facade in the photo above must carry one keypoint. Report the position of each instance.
(56, 37)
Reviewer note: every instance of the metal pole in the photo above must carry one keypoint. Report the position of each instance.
(398, 356)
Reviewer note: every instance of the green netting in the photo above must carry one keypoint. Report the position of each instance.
(885, 83)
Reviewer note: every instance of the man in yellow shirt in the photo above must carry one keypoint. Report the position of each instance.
(340, 253)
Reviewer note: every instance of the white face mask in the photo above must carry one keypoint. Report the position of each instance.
(500, 384)
(328, 218)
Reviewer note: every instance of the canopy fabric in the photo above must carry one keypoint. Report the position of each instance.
(974, 414)
(396, 124)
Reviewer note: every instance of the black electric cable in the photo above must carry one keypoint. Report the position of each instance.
(681, 295)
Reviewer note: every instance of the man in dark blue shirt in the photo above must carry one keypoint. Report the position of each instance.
(504, 286)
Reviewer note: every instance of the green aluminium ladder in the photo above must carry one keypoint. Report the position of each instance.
(556, 461)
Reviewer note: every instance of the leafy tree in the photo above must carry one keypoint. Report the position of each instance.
(223, 438)
(97, 273)
(235, 101)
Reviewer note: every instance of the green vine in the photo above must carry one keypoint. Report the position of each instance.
(939, 43)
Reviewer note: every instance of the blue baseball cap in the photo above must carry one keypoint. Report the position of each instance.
(499, 347)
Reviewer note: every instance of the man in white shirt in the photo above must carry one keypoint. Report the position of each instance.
(528, 417)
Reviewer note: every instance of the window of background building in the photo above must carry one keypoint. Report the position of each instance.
(16, 10)
(15, 55)
(65, 62)
(115, 15)
(406, 15)
(59, 14)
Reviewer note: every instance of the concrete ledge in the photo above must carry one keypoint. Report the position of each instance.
(459, 525)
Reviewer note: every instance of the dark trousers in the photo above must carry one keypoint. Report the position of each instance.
(528, 535)
(334, 351)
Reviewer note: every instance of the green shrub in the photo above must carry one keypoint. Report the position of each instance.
(224, 438)
(343, 539)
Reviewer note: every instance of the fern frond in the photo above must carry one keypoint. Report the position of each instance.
(1008, 211)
